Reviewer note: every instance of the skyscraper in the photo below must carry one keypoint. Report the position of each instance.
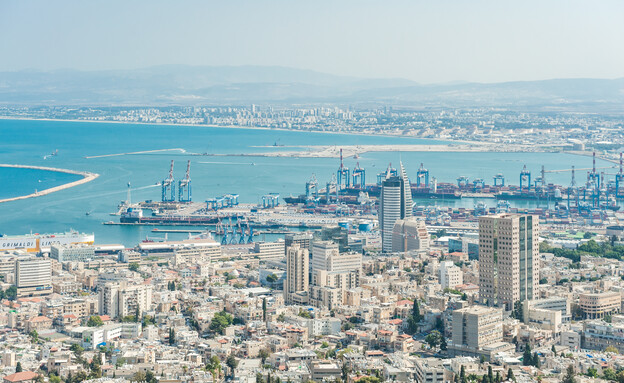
(508, 258)
(297, 275)
(395, 204)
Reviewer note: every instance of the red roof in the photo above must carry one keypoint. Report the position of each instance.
(404, 302)
(40, 319)
(21, 376)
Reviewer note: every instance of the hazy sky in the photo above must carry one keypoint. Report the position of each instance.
(427, 41)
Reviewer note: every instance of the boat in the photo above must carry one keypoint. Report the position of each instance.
(39, 242)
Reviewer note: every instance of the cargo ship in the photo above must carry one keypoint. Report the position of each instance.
(136, 216)
(42, 242)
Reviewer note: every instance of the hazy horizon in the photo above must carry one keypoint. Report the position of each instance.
(426, 42)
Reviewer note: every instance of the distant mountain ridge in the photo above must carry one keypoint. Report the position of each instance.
(232, 85)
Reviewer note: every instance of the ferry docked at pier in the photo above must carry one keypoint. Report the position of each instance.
(42, 242)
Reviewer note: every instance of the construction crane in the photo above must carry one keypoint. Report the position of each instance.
(184, 186)
(168, 187)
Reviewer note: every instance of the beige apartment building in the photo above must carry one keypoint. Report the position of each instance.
(297, 275)
(598, 305)
(478, 330)
(508, 259)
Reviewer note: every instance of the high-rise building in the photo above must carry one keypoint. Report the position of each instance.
(410, 234)
(508, 258)
(297, 275)
(33, 276)
(395, 203)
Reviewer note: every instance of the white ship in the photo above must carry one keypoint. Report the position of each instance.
(42, 242)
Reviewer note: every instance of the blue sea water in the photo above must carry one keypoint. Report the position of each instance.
(28, 142)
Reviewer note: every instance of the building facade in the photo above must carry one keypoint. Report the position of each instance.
(297, 274)
(395, 203)
(410, 234)
(508, 259)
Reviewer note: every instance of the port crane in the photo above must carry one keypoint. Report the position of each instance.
(184, 186)
(342, 175)
(168, 187)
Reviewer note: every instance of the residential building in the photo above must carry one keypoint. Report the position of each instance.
(450, 275)
(72, 253)
(508, 259)
(297, 274)
(478, 330)
(270, 250)
(33, 276)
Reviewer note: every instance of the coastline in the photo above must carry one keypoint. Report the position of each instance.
(444, 140)
(87, 177)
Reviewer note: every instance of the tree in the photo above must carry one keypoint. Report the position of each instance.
(220, 322)
(609, 374)
(133, 266)
(490, 375)
(517, 312)
(433, 338)
(149, 377)
(510, 375)
(412, 325)
(76, 349)
(527, 357)
(34, 336)
(172, 338)
(137, 314)
(138, 376)
(95, 321)
(536, 360)
(345, 371)
(443, 344)
(554, 350)
(264, 309)
(305, 314)
(18, 367)
(612, 349)
(592, 372)
(214, 366)
(416, 311)
(462, 374)
(264, 354)
(232, 363)
(498, 378)
(11, 293)
(569, 375)
(272, 278)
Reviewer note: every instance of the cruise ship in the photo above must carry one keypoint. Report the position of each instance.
(42, 242)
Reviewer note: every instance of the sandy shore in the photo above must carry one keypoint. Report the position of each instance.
(333, 151)
(87, 177)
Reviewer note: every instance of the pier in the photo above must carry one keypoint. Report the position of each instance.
(87, 177)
